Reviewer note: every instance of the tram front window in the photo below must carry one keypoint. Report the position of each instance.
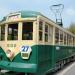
(13, 31)
(2, 33)
(27, 31)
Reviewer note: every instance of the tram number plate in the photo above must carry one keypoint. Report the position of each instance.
(24, 48)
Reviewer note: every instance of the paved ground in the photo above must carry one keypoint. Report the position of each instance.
(67, 70)
(71, 70)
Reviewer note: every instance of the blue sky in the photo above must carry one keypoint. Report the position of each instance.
(43, 6)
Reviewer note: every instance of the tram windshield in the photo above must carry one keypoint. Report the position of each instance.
(27, 31)
(2, 33)
(13, 31)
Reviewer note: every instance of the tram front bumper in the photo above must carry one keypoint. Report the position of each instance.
(18, 67)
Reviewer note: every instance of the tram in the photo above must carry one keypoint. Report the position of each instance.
(34, 44)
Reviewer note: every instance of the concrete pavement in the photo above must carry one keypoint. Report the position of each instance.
(69, 70)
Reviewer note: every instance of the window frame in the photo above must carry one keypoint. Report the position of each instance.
(40, 30)
(65, 38)
(61, 37)
(2, 33)
(58, 32)
(46, 33)
(32, 31)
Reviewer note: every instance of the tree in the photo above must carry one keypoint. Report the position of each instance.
(72, 28)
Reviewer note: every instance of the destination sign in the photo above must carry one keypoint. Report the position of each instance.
(13, 17)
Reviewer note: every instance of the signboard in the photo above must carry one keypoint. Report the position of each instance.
(13, 17)
(25, 52)
(24, 48)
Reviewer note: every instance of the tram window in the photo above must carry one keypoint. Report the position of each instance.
(56, 36)
(46, 37)
(74, 41)
(2, 33)
(46, 33)
(12, 32)
(27, 31)
(46, 28)
(50, 34)
(40, 25)
(65, 38)
(68, 40)
(40, 35)
(40, 30)
(61, 38)
(71, 41)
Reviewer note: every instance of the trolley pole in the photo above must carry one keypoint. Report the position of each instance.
(57, 10)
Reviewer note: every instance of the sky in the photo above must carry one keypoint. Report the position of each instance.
(43, 6)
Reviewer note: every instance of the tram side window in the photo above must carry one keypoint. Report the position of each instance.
(74, 41)
(27, 31)
(50, 34)
(61, 38)
(2, 33)
(46, 33)
(56, 36)
(40, 30)
(12, 32)
(71, 40)
(65, 39)
(68, 40)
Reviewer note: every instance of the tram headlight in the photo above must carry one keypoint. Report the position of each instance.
(9, 53)
(24, 54)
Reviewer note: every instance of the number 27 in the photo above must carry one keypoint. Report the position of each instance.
(25, 48)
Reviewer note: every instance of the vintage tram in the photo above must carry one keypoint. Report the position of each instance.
(34, 44)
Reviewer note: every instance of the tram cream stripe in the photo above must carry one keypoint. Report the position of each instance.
(67, 69)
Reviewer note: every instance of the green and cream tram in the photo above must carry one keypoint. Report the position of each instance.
(33, 44)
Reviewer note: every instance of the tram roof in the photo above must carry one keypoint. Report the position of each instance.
(24, 14)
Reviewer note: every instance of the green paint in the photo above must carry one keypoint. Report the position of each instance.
(25, 14)
(64, 52)
(42, 58)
